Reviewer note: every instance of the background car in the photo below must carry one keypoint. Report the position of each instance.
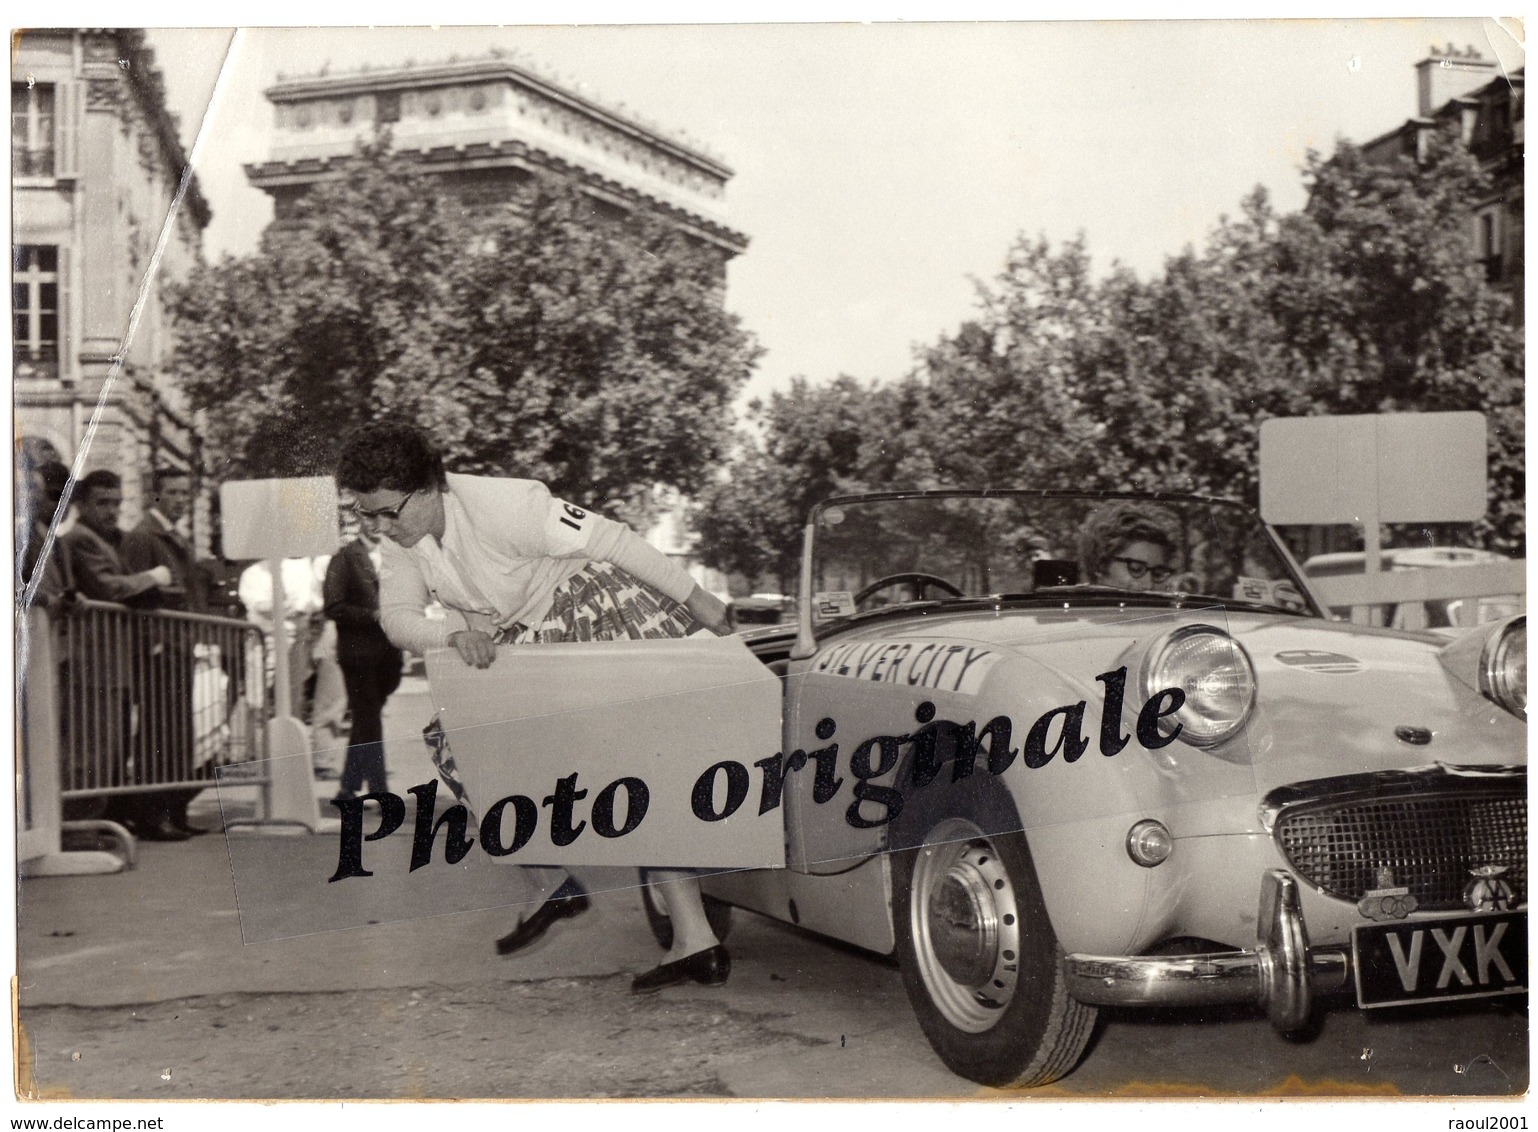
(1046, 793)
(1443, 613)
(762, 609)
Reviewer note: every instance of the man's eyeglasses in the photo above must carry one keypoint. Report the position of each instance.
(1136, 567)
(388, 514)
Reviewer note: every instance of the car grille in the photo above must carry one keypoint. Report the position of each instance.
(1429, 842)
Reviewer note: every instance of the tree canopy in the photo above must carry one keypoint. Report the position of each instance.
(545, 340)
(1368, 300)
(815, 442)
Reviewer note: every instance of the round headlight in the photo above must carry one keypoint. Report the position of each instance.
(1216, 675)
(1503, 668)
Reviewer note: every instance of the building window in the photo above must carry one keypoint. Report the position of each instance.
(35, 302)
(389, 107)
(32, 129)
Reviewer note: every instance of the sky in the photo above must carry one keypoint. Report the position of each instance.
(882, 169)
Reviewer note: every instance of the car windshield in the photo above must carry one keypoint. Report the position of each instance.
(879, 551)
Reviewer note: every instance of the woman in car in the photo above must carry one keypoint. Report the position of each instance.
(511, 564)
(1128, 545)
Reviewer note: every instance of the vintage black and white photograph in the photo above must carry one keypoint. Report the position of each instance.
(896, 561)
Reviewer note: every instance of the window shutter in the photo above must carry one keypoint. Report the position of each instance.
(66, 126)
(68, 348)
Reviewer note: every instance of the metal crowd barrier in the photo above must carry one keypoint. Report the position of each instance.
(151, 700)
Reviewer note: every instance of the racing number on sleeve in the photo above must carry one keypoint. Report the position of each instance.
(567, 528)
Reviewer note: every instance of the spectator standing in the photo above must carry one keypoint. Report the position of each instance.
(301, 604)
(37, 645)
(94, 543)
(101, 674)
(45, 485)
(371, 665)
(168, 665)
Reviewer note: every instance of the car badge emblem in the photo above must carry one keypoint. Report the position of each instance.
(1415, 736)
(1317, 660)
(1488, 891)
(1388, 901)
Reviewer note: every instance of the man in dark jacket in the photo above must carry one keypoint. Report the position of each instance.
(168, 664)
(159, 541)
(371, 665)
(101, 674)
(94, 544)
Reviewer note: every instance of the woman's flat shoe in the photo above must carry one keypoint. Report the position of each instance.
(710, 967)
(567, 901)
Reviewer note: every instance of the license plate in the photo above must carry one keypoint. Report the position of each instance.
(1437, 960)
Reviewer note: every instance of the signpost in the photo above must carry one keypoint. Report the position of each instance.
(1373, 469)
(273, 520)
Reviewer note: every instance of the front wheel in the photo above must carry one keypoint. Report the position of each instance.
(980, 962)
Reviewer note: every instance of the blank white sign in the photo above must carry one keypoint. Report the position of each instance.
(1387, 467)
(289, 518)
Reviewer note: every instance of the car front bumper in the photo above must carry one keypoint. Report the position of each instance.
(1283, 973)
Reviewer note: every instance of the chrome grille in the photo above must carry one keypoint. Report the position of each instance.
(1429, 841)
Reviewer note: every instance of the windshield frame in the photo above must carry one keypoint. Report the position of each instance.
(808, 630)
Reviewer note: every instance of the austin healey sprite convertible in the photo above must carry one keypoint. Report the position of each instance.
(1054, 767)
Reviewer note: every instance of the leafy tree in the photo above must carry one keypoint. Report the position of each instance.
(546, 340)
(999, 398)
(806, 444)
(1386, 309)
(600, 349)
(1367, 301)
(342, 313)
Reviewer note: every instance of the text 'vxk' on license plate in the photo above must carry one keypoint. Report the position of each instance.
(1436, 960)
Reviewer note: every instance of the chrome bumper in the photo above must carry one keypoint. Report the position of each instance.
(1283, 973)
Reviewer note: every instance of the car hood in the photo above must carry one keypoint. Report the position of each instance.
(1333, 698)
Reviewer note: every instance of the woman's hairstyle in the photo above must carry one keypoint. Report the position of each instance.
(1116, 525)
(389, 454)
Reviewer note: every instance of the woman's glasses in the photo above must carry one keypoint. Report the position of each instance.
(390, 514)
(1136, 568)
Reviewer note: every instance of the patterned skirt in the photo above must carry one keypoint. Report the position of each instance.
(600, 602)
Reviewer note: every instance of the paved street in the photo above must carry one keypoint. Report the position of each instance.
(139, 985)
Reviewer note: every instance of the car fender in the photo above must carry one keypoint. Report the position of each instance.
(1075, 812)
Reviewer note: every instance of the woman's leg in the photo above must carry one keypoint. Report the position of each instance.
(679, 892)
(550, 894)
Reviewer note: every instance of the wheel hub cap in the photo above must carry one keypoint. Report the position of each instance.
(969, 931)
(964, 924)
